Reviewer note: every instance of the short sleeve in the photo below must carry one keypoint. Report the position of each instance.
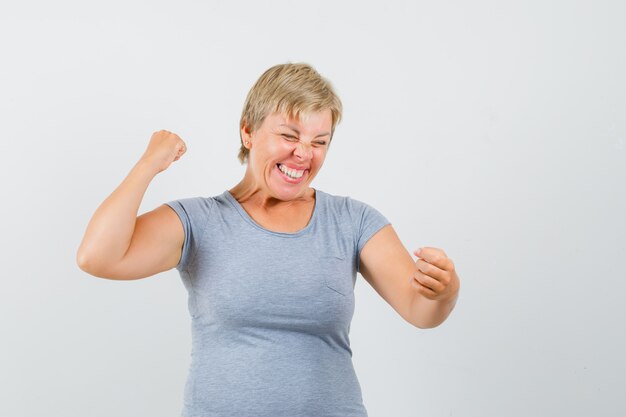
(193, 213)
(366, 222)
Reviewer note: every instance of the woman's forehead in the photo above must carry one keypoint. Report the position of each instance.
(313, 120)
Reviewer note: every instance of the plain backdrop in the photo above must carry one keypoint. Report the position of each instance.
(493, 130)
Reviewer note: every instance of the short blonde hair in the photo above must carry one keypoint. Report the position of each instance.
(290, 89)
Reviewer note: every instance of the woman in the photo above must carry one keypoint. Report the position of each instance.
(270, 264)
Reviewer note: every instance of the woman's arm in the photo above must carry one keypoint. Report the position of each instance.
(110, 231)
(423, 292)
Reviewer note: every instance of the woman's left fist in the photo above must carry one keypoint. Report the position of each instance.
(435, 277)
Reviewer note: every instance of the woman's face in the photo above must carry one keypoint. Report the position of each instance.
(286, 154)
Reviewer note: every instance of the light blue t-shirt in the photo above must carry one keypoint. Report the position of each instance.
(271, 311)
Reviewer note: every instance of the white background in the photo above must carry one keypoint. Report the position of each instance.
(494, 130)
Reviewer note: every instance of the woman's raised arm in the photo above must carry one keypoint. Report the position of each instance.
(119, 245)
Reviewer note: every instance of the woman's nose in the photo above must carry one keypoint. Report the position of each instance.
(304, 151)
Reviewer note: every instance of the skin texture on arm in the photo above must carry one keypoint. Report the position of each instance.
(119, 245)
(423, 292)
(156, 246)
(110, 229)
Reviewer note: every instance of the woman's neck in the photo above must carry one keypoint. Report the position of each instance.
(247, 192)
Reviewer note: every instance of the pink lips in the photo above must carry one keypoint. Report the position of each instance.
(296, 167)
(289, 179)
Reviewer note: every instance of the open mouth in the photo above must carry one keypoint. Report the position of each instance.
(292, 174)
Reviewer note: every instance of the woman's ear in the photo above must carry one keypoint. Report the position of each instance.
(245, 136)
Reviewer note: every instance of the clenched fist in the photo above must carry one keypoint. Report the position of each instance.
(435, 276)
(164, 148)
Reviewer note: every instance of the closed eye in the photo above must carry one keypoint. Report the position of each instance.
(294, 138)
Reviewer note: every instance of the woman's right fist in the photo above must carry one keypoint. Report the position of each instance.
(164, 148)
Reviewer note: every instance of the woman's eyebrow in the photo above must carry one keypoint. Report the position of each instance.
(298, 132)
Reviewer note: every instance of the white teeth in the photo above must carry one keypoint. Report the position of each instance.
(292, 173)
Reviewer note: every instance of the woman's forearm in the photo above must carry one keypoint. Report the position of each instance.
(111, 228)
(431, 313)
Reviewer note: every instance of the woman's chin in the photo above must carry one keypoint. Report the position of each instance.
(287, 188)
(289, 193)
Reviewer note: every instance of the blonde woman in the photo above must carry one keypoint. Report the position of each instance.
(270, 264)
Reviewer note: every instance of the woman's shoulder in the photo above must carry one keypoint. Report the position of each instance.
(348, 208)
(345, 201)
(206, 198)
(363, 218)
(197, 203)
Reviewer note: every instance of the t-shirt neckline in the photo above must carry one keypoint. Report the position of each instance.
(244, 214)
